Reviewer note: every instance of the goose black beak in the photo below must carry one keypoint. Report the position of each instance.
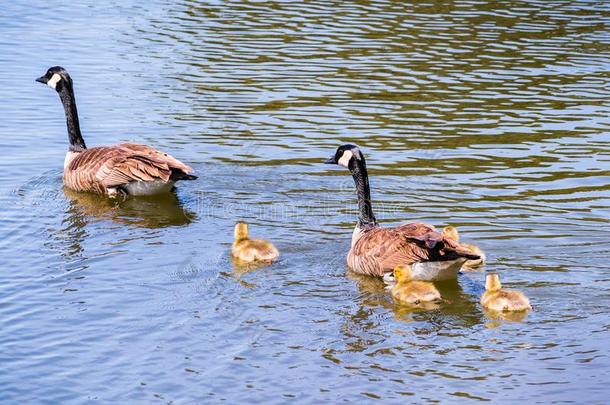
(330, 161)
(42, 80)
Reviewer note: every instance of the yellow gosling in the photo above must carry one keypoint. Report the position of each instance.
(251, 250)
(496, 299)
(412, 292)
(451, 232)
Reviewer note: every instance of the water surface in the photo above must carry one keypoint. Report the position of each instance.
(490, 116)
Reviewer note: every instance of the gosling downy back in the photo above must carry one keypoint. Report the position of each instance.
(496, 299)
(251, 250)
(412, 292)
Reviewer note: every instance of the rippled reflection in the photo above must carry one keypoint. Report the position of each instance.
(488, 115)
(373, 293)
(241, 268)
(146, 212)
(497, 317)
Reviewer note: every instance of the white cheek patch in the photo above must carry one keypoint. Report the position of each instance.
(347, 155)
(52, 83)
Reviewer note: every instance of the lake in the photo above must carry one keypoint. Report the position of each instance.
(488, 115)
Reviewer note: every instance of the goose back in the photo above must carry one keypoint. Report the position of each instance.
(377, 251)
(104, 169)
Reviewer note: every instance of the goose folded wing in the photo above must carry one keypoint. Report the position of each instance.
(434, 245)
(390, 247)
(156, 155)
(407, 244)
(126, 169)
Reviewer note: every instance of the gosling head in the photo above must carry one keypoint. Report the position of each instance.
(241, 231)
(492, 282)
(403, 273)
(451, 232)
(56, 78)
(346, 154)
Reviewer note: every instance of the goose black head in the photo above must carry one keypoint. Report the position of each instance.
(345, 154)
(56, 78)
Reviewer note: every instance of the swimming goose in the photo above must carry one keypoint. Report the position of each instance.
(126, 168)
(376, 250)
(496, 299)
(251, 250)
(470, 265)
(412, 292)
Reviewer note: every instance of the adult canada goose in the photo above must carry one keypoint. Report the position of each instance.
(376, 250)
(126, 168)
(412, 292)
(469, 265)
(496, 299)
(251, 250)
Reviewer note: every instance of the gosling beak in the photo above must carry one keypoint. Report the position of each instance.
(42, 80)
(330, 161)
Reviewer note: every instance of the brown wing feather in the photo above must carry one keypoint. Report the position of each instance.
(171, 161)
(380, 250)
(97, 169)
(126, 169)
(80, 174)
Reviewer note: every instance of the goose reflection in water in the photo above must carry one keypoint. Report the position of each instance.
(84, 209)
(158, 211)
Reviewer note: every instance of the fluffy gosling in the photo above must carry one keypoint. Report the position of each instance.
(251, 250)
(451, 232)
(412, 292)
(496, 299)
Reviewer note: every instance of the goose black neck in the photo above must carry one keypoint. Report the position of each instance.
(366, 218)
(66, 94)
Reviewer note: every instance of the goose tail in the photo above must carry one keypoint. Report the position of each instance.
(456, 250)
(180, 175)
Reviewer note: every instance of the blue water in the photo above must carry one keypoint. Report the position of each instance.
(491, 116)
